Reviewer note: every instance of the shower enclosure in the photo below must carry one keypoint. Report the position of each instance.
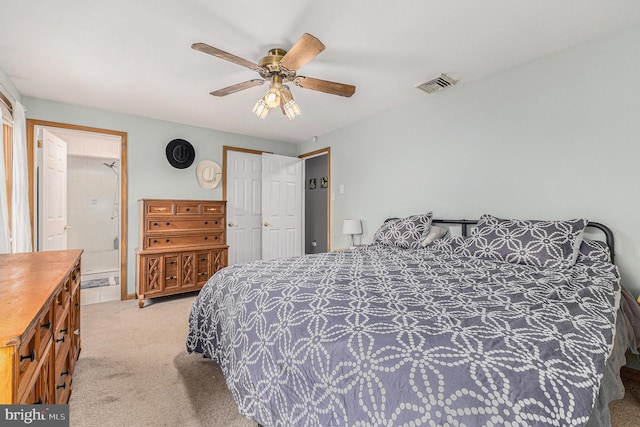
(93, 215)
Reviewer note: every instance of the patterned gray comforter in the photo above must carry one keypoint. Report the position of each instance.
(379, 336)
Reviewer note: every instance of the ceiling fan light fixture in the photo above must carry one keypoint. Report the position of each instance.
(289, 106)
(272, 97)
(291, 109)
(261, 109)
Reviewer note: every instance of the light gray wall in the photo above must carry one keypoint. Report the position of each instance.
(555, 138)
(149, 174)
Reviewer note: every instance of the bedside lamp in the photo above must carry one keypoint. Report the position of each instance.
(352, 226)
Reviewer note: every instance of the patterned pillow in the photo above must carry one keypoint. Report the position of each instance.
(406, 233)
(547, 244)
(593, 251)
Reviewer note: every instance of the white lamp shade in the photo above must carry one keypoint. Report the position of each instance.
(352, 226)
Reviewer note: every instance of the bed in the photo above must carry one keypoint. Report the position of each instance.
(516, 324)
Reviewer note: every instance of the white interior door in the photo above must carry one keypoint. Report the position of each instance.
(54, 192)
(244, 206)
(281, 206)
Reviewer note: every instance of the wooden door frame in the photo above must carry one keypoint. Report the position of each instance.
(316, 153)
(31, 125)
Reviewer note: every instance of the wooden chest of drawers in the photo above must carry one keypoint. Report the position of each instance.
(39, 326)
(182, 243)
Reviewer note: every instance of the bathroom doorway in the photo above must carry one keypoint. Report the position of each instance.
(93, 195)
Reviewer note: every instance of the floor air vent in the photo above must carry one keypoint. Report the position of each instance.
(434, 85)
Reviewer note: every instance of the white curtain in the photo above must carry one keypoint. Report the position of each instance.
(5, 245)
(20, 219)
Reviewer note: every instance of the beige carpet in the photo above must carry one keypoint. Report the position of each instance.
(134, 371)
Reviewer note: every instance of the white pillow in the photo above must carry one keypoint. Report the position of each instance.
(436, 232)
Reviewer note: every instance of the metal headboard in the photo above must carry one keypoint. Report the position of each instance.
(465, 223)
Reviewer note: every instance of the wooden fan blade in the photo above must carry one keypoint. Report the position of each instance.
(305, 49)
(237, 87)
(325, 86)
(203, 47)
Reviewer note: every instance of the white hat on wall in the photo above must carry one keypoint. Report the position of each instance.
(209, 174)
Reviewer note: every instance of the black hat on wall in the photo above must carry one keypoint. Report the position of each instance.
(180, 153)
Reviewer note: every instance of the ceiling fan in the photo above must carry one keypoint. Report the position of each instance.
(278, 67)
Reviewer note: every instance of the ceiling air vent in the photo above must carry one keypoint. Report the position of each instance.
(434, 85)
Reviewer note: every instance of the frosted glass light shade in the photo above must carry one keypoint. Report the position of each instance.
(352, 226)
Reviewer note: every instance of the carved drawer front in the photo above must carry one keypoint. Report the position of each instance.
(75, 279)
(40, 392)
(44, 385)
(213, 208)
(210, 238)
(187, 270)
(62, 334)
(158, 207)
(61, 302)
(170, 224)
(28, 360)
(62, 377)
(218, 260)
(44, 328)
(152, 274)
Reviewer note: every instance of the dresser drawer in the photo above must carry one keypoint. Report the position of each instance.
(213, 208)
(61, 302)
(27, 360)
(159, 207)
(183, 224)
(44, 327)
(188, 208)
(62, 377)
(210, 238)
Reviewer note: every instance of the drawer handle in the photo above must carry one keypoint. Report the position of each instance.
(215, 222)
(211, 209)
(64, 331)
(216, 238)
(206, 238)
(31, 357)
(155, 241)
(155, 224)
(168, 223)
(161, 209)
(64, 385)
(62, 374)
(203, 259)
(46, 325)
(60, 339)
(188, 209)
(206, 222)
(171, 277)
(167, 240)
(202, 274)
(172, 262)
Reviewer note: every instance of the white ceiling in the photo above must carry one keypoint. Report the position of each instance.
(135, 56)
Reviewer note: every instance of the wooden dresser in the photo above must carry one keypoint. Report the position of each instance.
(39, 326)
(182, 243)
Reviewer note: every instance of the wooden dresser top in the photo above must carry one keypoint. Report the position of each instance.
(27, 284)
